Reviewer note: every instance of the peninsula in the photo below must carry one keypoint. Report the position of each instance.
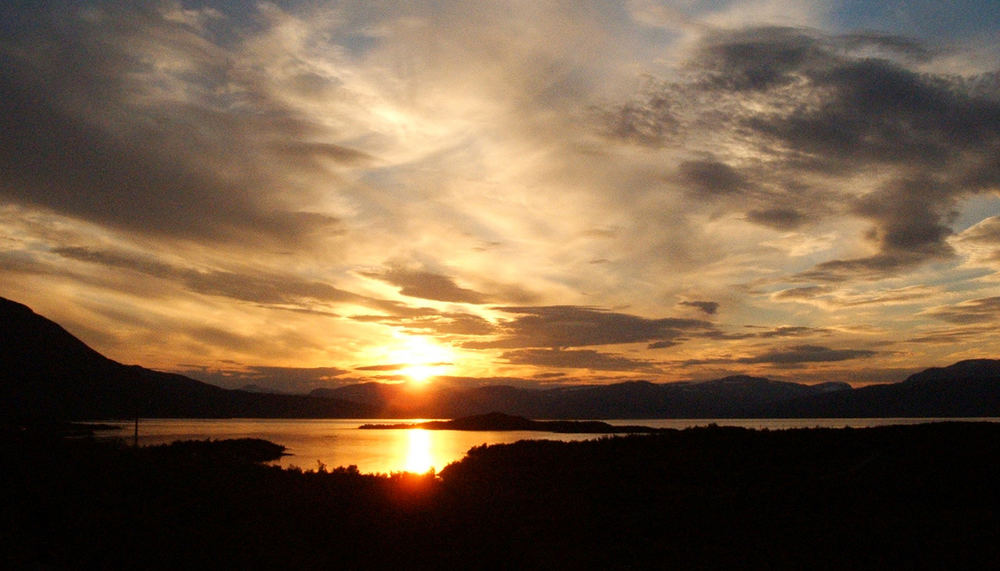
(496, 421)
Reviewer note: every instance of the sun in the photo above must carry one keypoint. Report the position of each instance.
(422, 373)
(420, 359)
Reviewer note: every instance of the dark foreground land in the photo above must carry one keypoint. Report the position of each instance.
(903, 497)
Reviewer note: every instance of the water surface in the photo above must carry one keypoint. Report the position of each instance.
(339, 442)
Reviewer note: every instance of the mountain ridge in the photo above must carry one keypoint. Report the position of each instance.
(46, 372)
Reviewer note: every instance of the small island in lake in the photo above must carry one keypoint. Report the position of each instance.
(496, 421)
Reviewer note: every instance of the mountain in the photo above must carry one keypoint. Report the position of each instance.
(967, 389)
(47, 373)
(730, 397)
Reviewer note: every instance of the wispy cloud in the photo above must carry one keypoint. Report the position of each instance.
(544, 187)
(559, 327)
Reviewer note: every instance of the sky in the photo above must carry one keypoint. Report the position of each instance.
(299, 195)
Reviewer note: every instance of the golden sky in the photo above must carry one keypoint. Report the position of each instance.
(307, 194)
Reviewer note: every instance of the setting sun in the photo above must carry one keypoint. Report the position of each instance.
(420, 359)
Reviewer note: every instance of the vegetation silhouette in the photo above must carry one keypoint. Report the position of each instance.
(920, 496)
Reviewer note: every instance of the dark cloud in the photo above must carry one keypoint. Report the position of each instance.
(756, 59)
(709, 178)
(808, 354)
(708, 307)
(574, 326)
(431, 321)
(834, 106)
(578, 359)
(868, 268)
(792, 331)
(790, 356)
(724, 336)
(778, 218)
(428, 285)
(909, 218)
(876, 112)
(972, 311)
(954, 335)
(91, 130)
(549, 376)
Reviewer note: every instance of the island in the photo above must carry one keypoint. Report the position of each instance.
(496, 421)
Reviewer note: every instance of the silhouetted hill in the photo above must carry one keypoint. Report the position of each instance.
(966, 389)
(45, 373)
(894, 497)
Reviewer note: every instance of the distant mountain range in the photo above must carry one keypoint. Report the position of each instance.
(45, 372)
(731, 397)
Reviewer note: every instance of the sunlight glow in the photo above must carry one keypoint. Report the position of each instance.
(418, 454)
(422, 359)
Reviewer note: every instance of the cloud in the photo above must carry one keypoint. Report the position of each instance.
(493, 177)
(282, 379)
(428, 285)
(564, 326)
(706, 179)
(138, 119)
(399, 366)
(806, 106)
(757, 59)
(807, 293)
(808, 354)
(972, 311)
(831, 297)
(981, 242)
(778, 218)
(649, 120)
(708, 307)
(793, 355)
(429, 320)
(245, 285)
(986, 232)
(792, 331)
(952, 336)
(578, 359)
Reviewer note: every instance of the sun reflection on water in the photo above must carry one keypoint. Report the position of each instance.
(419, 458)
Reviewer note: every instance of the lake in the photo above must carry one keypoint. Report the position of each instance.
(339, 442)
